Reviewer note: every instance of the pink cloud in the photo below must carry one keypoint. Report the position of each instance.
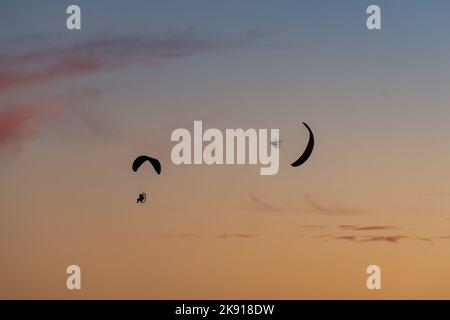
(367, 228)
(21, 121)
(64, 68)
(49, 64)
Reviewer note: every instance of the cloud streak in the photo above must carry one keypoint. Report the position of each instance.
(393, 239)
(333, 210)
(19, 122)
(263, 206)
(105, 54)
(313, 227)
(236, 236)
(367, 228)
(390, 239)
(358, 238)
(18, 71)
(222, 236)
(61, 69)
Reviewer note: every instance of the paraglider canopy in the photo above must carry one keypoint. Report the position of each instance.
(141, 159)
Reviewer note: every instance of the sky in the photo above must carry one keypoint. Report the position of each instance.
(76, 107)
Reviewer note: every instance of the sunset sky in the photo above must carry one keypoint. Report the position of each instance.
(76, 107)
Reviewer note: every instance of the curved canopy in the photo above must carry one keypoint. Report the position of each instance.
(141, 159)
(309, 149)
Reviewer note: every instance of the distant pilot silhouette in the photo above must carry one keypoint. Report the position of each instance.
(141, 198)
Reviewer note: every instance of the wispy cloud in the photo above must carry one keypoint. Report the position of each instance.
(367, 228)
(349, 227)
(313, 227)
(338, 210)
(223, 236)
(179, 235)
(386, 238)
(21, 121)
(348, 238)
(66, 67)
(236, 235)
(361, 239)
(390, 239)
(425, 239)
(261, 205)
(50, 64)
